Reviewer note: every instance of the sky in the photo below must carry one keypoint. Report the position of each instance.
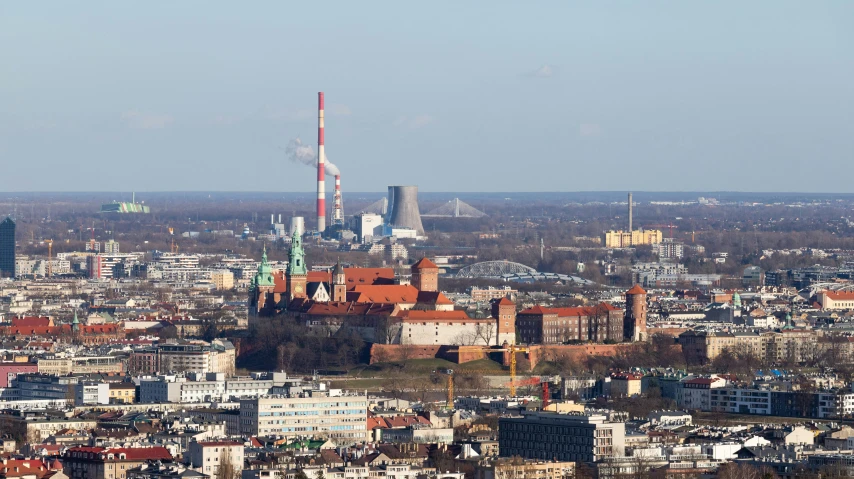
(447, 95)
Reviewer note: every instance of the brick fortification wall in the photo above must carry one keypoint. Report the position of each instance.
(383, 353)
(463, 354)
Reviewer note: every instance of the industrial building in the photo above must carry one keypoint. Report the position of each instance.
(403, 208)
(125, 207)
(631, 237)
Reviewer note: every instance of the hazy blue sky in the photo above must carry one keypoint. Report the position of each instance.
(452, 96)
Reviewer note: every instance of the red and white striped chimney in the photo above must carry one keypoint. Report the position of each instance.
(321, 166)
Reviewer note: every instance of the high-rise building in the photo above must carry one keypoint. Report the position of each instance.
(7, 248)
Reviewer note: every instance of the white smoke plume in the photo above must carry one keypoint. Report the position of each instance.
(305, 154)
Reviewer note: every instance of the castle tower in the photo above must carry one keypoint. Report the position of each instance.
(262, 286)
(339, 283)
(425, 275)
(634, 321)
(296, 275)
(504, 312)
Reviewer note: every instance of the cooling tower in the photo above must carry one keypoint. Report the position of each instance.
(297, 224)
(403, 208)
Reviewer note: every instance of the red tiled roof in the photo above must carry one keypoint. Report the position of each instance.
(433, 297)
(354, 276)
(23, 467)
(577, 311)
(840, 295)
(342, 308)
(424, 263)
(505, 302)
(31, 322)
(393, 294)
(636, 289)
(537, 309)
(419, 315)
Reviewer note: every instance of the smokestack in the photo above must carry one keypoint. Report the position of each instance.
(280, 218)
(321, 179)
(338, 210)
(630, 212)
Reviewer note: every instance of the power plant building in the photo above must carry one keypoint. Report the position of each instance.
(403, 208)
(368, 226)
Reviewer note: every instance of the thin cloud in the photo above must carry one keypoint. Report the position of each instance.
(414, 122)
(545, 71)
(146, 121)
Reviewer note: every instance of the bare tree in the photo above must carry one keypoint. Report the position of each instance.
(227, 469)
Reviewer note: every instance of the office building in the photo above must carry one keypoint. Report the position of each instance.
(316, 414)
(7, 248)
(561, 436)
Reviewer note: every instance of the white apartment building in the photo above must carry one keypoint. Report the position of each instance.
(176, 259)
(386, 471)
(207, 456)
(315, 414)
(89, 393)
(218, 357)
(696, 393)
(199, 388)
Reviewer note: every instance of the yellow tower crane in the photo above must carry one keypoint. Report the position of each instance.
(513, 349)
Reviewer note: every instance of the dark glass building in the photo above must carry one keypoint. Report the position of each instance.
(7, 248)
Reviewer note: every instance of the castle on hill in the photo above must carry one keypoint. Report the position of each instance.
(371, 303)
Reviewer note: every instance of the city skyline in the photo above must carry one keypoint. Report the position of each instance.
(664, 96)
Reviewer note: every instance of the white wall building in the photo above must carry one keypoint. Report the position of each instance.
(342, 419)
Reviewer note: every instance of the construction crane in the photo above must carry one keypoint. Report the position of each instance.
(49, 271)
(670, 225)
(92, 241)
(451, 374)
(513, 349)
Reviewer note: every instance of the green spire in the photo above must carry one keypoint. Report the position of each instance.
(296, 256)
(264, 276)
(75, 323)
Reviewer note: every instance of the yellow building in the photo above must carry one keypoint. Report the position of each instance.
(122, 393)
(518, 468)
(223, 279)
(626, 239)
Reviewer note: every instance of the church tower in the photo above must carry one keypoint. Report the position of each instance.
(262, 286)
(296, 275)
(339, 283)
